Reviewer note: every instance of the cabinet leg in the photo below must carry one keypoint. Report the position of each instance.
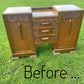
(56, 53)
(72, 51)
(33, 56)
(15, 58)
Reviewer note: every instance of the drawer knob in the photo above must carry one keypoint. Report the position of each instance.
(70, 21)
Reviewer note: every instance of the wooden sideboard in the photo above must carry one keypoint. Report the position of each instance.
(27, 28)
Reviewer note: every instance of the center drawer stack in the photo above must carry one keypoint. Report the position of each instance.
(45, 30)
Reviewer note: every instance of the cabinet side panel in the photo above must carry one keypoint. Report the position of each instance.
(8, 33)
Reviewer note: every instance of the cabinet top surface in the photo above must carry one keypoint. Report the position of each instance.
(44, 13)
(60, 8)
(18, 10)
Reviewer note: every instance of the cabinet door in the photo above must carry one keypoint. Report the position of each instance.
(21, 35)
(74, 31)
(64, 37)
(68, 32)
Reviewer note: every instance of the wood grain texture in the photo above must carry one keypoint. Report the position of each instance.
(27, 31)
(20, 38)
(69, 32)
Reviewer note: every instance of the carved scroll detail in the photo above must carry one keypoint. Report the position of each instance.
(35, 31)
(53, 38)
(70, 15)
(54, 22)
(37, 39)
(36, 23)
(54, 30)
(16, 18)
(75, 15)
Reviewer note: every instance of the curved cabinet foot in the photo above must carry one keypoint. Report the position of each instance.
(33, 56)
(56, 53)
(72, 51)
(15, 58)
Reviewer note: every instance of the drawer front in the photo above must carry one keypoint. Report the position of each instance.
(44, 23)
(70, 15)
(45, 39)
(16, 18)
(42, 31)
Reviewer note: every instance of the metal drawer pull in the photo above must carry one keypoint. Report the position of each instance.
(45, 38)
(45, 23)
(20, 30)
(45, 31)
(70, 21)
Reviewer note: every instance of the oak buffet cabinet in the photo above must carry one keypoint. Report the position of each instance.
(27, 28)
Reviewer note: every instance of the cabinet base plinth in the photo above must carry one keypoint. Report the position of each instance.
(21, 54)
(33, 56)
(15, 58)
(65, 50)
(56, 53)
(72, 51)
